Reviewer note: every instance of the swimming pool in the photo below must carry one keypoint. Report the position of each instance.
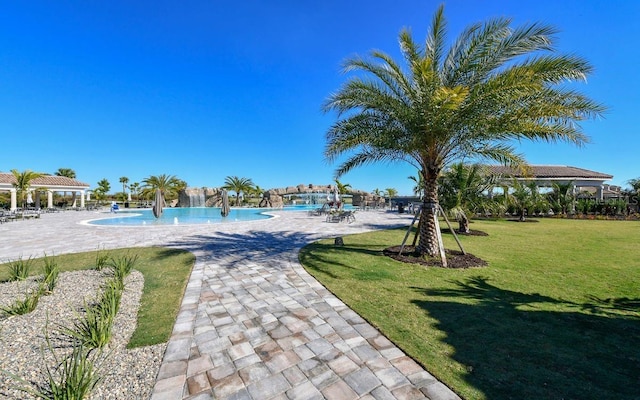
(191, 216)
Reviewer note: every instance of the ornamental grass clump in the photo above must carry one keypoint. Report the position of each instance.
(50, 274)
(73, 377)
(94, 328)
(26, 305)
(123, 265)
(102, 258)
(109, 303)
(91, 329)
(19, 269)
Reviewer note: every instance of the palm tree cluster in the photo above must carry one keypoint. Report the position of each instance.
(466, 190)
(239, 186)
(169, 186)
(494, 84)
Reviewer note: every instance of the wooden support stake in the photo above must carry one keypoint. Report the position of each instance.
(404, 241)
(452, 230)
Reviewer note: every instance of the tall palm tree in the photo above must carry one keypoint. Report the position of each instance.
(238, 185)
(124, 180)
(67, 173)
(169, 186)
(494, 84)
(22, 183)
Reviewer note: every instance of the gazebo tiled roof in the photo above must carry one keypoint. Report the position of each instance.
(45, 181)
(548, 171)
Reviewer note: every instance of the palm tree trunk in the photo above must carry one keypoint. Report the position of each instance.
(463, 224)
(430, 243)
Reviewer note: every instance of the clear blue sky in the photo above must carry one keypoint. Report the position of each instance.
(208, 89)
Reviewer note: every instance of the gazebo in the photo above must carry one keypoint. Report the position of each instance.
(48, 183)
(546, 175)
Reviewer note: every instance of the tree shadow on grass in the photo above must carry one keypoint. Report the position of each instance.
(513, 347)
(311, 256)
(612, 305)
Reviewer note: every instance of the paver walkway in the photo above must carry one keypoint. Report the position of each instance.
(253, 323)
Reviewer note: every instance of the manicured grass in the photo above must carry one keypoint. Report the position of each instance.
(556, 314)
(166, 272)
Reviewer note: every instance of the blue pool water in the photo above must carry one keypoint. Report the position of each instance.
(191, 216)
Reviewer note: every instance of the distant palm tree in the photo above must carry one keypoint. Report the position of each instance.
(124, 180)
(169, 186)
(257, 191)
(238, 185)
(461, 191)
(22, 183)
(526, 198)
(493, 85)
(343, 188)
(67, 173)
(418, 189)
(101, 191)
(635, 184)
(389, 193)
(562, 197)
(134, 187)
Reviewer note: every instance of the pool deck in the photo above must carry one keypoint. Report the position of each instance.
(253, 323)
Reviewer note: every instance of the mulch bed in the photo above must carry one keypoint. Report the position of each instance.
(455, 259)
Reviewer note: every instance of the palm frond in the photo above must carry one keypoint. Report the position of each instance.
(436, 38)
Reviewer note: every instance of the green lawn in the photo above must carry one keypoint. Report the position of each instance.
(166, 272)
(556, 314)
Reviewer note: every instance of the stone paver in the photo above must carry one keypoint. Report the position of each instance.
(253, 323)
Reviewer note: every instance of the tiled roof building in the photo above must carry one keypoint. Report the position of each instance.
(548, 172)
(545, 175)
(50, 183)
